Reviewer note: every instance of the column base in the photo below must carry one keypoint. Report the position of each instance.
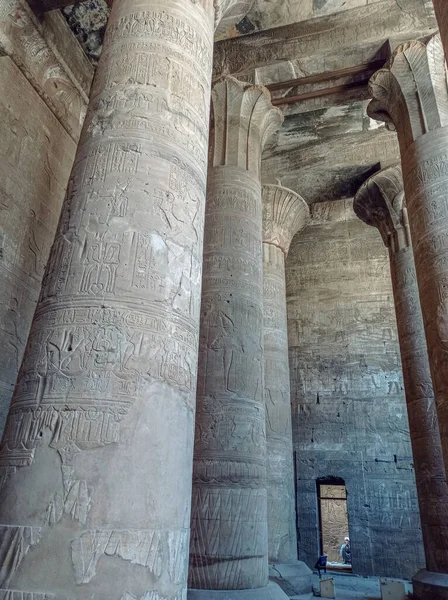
(271, 592)
(430, 586)
(294, 578)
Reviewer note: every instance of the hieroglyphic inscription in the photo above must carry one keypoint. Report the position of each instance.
(71, 359)
(162, 25)
(111, 158)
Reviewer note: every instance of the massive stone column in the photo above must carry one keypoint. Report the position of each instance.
(96, 459)
(284, 214)
(380, 203)
(410, 94)
(441, 8)
(229, 545)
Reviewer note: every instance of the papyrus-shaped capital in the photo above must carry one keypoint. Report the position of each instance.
(380, 202)
(410, 92)
(284, 214)
(244, 120)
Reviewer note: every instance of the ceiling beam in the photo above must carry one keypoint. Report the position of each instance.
(319, 93)
(326, 76)
(358, 76)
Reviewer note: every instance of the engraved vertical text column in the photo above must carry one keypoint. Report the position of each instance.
(229, 512)
(284, 214)
(379, 202)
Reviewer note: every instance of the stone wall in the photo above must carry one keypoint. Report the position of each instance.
(42, 103)
(349, 413)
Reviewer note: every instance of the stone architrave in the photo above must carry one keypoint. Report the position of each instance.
(229, 543)
(380, 203)
(441, 9)
(96, 458)
(284, 214)
(410, 95)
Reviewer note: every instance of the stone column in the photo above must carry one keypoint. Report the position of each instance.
(229, 545)
(441, 8)
(379, 202)
(284, 214)
(96, 459)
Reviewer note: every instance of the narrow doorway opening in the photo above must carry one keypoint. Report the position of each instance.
(333, 523)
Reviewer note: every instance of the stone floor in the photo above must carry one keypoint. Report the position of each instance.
(351, 587)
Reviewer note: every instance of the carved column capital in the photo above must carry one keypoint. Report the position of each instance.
(244, 120)
(380, 202)
(410, 92)
(284, 214)
(229, 12)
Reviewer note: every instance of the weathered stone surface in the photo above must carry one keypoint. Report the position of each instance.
(229, 544)
(110, 367)
(22, 38)
(88, 21)
(421, 120)
(375, 22)
(441, 9)
(67, 49)
(349, 413)
(266, 14)
(315, 154)
(36, 157)
(327, 146)
(269, 592)
(284, 214)
(379, 203)
(430, 585)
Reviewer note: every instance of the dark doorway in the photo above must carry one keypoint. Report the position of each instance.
(333, 522)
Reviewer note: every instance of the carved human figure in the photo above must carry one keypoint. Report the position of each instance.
(228, 548)
(284, 214)
(380, 203)
(96, 459)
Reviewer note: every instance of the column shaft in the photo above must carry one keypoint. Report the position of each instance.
(229, 519)
(380, 202)
(425, 175)
(425, 439)
(280, 468)
(96, 460)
